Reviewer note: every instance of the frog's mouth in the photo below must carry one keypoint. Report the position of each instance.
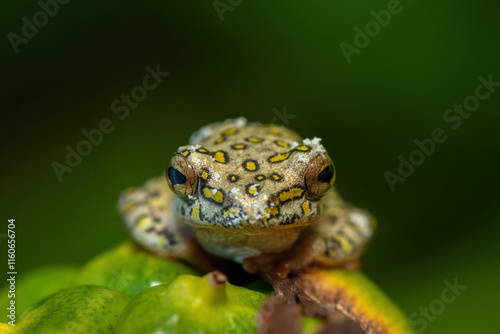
(248, 214)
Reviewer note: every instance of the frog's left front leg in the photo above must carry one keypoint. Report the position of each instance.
(149, 217)
(342, 233)
(338, 237)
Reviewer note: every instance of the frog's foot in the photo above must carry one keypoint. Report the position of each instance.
(151, 222)
(303, 257)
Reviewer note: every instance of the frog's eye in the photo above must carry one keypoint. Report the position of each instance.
(320, 176)
(182, 177)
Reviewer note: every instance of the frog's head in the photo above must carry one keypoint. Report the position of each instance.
(249, 175)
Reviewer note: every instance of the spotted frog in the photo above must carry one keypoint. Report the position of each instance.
(256, 194)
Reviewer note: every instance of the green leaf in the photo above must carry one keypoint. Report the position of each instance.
(78, 310)
(130, 269)
(192, 304)
(36, 285)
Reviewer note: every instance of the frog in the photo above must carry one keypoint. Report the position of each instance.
(256, 194)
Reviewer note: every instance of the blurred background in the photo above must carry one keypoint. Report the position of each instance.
(301, 64)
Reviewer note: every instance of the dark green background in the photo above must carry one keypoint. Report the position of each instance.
(441, 223)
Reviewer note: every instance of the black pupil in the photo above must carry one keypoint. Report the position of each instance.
(175, 176)
(326, 174)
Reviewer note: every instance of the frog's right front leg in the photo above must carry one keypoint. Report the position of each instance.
(149, 217)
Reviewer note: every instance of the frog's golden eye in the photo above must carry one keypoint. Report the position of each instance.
(182, 177)
(320, 176)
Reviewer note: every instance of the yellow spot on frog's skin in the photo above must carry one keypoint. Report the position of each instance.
(302, 148)
(260, 177)
(250, 165)
(239, 146)
(291, 194)
(218, 197)
(276, 177)
(229, 132)
(204, 175)
(144, 222)
(279, 157)
(253, 189)
(220, 140)
(185, 153)
(219, 156)
(344, 243)
(254, 140)
(196, 211)
(202, 150)
(306, 208)
(281, 143)
(233, 178)
(272, 211)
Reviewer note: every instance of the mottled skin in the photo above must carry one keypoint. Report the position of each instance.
(257, 194)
